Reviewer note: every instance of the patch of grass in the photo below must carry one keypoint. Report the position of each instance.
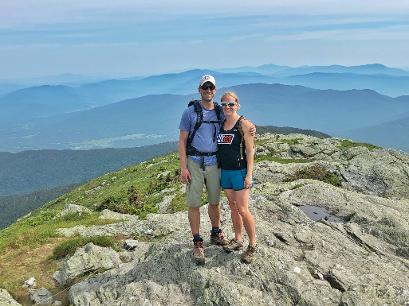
(178, 203)
(69, 247)
(260, 142)
(315, 172)
(36, 230)
(346, 144)
(291, 141)
(280, 159)
(149, 238)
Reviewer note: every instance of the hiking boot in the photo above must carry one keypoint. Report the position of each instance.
(198, 253)
(218, 239)
(249, 254)
(234, 245)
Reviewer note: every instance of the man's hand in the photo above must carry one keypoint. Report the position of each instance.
(185, 176)
(253, 129)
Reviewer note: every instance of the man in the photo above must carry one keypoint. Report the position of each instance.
(199, 128)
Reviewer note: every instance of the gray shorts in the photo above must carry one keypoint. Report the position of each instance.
(209, 177)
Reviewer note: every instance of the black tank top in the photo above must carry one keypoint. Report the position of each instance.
(228, 149)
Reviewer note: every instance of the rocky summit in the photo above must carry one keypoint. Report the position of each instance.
(332, 223)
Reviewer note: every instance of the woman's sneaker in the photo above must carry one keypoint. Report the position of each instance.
(249, 255)
(234, 245)
(198, 253)
(218, 238)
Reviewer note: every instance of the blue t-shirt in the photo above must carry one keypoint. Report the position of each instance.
(205, 139)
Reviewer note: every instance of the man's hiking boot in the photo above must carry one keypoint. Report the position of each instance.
(249, 254)
(198, 253)
(218, 239)
(234, 245)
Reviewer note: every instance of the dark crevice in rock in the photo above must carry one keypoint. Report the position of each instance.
(362, 243)
(334, 282)
(280, 237)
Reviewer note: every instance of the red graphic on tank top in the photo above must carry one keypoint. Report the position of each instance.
(225, 138)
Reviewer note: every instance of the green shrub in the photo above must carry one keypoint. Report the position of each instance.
(280, 159)
(315, 172)
(346, 144)
(69, 247)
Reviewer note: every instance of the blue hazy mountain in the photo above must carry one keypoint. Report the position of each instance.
(285, 71)
(266, 69)
(186, 82)
(393, 134)
(7, 87)
(155, 118)
(41, 101)
(385, 84)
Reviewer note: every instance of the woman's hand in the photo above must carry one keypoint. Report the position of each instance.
(248, 182)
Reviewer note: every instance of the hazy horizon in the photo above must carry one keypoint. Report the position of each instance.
(45, 38)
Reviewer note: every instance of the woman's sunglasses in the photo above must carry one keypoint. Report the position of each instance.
(230, 104)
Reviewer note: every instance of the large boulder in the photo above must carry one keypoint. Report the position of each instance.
(87, 259)
(6, 299)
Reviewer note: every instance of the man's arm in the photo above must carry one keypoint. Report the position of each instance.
(184, 172)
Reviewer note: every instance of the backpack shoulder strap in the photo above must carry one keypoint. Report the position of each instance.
(199, 119)
(242, 143)
(218, 110)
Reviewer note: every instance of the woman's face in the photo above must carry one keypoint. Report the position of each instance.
(229, 105)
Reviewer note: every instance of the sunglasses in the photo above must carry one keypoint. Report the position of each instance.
(230, 104)
(208, 86)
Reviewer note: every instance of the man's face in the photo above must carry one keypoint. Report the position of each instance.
(207, 91)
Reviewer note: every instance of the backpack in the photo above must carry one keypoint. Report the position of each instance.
(190, 150)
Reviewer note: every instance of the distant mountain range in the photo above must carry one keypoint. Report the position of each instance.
(138, 111)
(155, 118)
(48, 100)
(285, 71)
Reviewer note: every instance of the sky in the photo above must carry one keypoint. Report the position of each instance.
(124, 38)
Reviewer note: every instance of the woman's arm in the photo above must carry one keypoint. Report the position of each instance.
(249, 142)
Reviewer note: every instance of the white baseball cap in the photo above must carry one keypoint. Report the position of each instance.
(207, 78)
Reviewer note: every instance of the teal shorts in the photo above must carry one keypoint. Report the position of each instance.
(233, 179)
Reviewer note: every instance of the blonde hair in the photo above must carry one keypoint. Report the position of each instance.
(231, 94)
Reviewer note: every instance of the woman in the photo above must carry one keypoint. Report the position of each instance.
(236, 158)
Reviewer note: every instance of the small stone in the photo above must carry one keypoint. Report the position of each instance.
(149, 231)
(319, 274)
(130, 244)
(270, 243)
(31, 282)
(297, 270)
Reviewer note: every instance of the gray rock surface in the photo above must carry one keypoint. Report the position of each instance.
(113, 215)
(363, 260)
(6, 299)
(87, 259)
(41, 296)
(73, 209)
